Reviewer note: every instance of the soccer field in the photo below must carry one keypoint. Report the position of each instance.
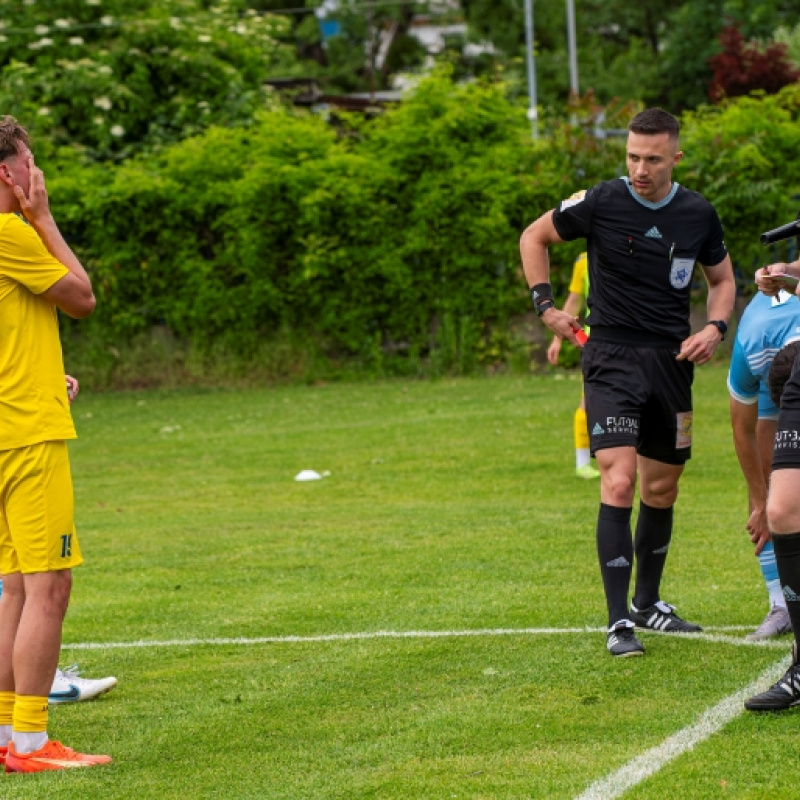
(425, 622)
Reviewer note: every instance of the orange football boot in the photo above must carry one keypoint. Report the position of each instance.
(53, 755)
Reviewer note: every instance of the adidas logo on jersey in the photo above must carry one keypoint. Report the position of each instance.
(619, 562)
(597, 430)
(790, 595)
(653, 233)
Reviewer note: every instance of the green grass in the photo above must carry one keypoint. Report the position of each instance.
(450, 506)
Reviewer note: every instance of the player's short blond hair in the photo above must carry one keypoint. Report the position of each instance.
(12, 135)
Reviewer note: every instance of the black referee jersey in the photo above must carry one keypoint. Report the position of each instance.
(641, 255)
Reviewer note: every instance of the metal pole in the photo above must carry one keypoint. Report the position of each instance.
(533, 114)
(573, 49)
(372, 48)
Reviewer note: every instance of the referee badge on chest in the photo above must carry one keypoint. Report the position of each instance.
(681, 272)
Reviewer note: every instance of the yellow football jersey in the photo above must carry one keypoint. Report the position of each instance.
(33, 397)
(580, 276)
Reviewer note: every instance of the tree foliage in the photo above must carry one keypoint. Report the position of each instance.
(791, 38)
(648, 51)
(744, 67)
(743, 156)
(115, 76)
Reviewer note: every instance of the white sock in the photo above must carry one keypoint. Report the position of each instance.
(776, 597)
(582, 457)
(29, 742)
(5, 735)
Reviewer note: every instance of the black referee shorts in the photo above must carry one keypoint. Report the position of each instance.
(638, 397)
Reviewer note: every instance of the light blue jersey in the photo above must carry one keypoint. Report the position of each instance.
(767, 325)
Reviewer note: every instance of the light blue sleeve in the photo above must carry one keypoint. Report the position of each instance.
(766, 408)
(742, 384)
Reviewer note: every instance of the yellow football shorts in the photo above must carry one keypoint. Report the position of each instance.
(37, 531)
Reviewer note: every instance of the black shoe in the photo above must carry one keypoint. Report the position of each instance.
(621, 640)
(661, 616)
(782, 695)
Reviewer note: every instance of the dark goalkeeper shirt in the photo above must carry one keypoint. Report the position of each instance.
(641, 258)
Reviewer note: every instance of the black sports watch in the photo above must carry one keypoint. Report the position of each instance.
(719, 325)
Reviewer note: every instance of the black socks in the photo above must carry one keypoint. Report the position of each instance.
(615, 552)
(653, 535)
(787, 557)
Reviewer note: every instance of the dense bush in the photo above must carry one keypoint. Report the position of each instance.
(393, 238)
(743, 156)
(365, 237)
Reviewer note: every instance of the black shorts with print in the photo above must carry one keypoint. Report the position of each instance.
(638, 396)
(786, 454)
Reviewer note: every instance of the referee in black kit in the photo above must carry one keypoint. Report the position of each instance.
(644, 234)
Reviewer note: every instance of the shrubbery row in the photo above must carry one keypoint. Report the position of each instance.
(363, 236)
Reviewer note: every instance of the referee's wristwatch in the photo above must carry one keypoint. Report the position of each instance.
(719, 325)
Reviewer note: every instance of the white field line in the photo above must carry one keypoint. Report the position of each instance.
(651, 761)
(784, 643)
(346, 637)
(608, 788)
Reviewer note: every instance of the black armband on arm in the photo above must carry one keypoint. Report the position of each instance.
(542, 296)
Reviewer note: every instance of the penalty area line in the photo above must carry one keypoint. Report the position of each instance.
(347, 637)
(651, 761)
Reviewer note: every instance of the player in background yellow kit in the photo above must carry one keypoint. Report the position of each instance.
(578, 291)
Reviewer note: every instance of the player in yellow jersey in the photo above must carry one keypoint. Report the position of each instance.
(39, 273)
(68, 684)
(578, 291)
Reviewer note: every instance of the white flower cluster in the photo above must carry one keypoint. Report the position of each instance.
(103, 102)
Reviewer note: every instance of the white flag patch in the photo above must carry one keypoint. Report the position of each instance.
(572, 200)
